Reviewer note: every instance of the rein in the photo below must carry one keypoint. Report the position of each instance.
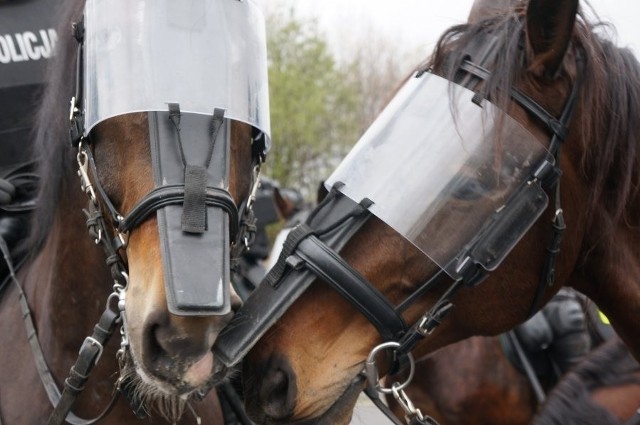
(88, 356)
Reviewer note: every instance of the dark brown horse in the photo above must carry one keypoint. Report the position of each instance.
(473, 382)
(603, 389)
(168, 364)
(305, 368)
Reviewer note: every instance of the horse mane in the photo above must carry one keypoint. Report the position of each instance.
(609, 99)
(51, 147)
(607, 366)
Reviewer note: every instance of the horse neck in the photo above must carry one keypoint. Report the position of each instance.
(68, 283)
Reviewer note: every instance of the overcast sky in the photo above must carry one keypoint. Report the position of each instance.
(410, 24)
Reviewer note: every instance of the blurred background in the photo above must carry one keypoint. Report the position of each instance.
(333, 64)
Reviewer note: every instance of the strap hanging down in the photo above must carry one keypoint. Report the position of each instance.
(194, 213)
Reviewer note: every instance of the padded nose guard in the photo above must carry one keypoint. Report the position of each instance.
(191, 151)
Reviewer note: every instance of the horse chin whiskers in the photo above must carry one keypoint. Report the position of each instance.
(147, 395)
(154, 396)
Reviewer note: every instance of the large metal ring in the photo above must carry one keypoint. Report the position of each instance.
(371, 370)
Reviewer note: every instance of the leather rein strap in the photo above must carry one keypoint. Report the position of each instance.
(88, 356)
(318, 258)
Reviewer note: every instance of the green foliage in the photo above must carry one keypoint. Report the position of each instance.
(314, 110)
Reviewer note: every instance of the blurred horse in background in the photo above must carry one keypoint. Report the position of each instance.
(482, 380)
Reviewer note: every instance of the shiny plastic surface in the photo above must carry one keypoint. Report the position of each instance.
(441, 168)
(203, 54)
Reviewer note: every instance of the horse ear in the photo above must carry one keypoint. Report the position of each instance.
(549, 27)
(484, 9)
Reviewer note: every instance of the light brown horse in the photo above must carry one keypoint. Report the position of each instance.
(302, 371)
(66, 280)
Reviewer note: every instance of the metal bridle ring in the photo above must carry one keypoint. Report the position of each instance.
(371, 370)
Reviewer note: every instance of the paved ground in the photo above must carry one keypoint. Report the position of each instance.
(368, 414)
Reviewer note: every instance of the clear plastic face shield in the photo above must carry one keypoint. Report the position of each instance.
(453, 177)
(193, 66)
(202, 54)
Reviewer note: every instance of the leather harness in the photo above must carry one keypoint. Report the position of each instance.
(310, 252)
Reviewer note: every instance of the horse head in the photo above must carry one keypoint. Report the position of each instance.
(168, 352)
(169, 126)
(538, 66)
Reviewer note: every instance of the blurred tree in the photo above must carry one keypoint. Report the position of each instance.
(314, 118)
(321, 106)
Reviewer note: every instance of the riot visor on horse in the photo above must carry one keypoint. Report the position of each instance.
(463, 204)
(169, 127)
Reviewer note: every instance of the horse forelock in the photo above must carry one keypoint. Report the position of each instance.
(51, 147)
(606, 119)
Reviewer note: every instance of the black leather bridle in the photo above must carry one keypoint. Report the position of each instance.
(311, 252)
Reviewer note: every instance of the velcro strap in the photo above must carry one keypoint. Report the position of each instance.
(194, 212)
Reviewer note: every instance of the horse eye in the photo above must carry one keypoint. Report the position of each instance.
(471, 190)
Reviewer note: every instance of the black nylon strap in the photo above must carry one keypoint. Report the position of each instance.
(194, 210)
(553, 250)
(435, 280)
(294, 237)
(559, 226)
(428, 322)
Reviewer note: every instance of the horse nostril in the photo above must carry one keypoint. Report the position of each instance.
(277, 392)
(176, 338)
(173, 343)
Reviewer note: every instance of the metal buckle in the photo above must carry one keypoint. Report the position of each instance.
(92, 341)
